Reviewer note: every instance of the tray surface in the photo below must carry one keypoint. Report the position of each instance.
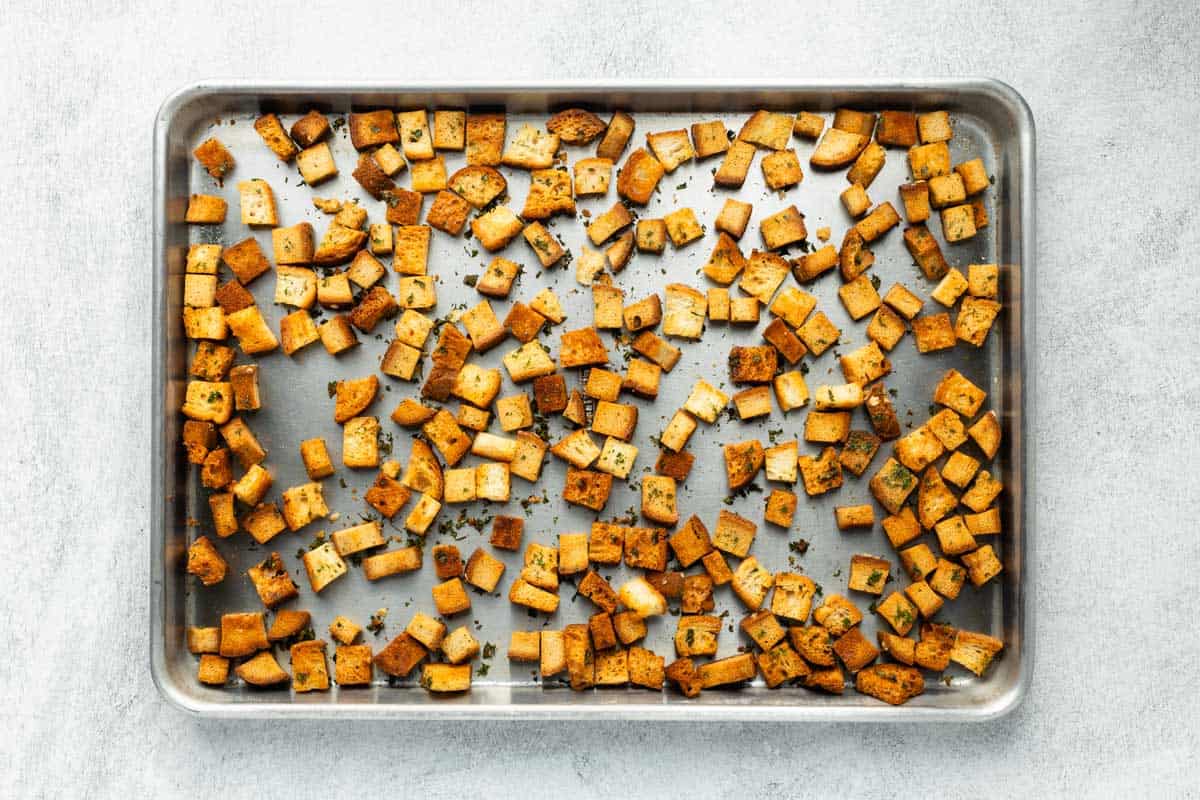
(989, 121)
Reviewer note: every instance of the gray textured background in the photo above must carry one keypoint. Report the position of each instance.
(1114, 89)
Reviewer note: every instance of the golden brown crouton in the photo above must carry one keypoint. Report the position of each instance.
(205, 562)
(400, 656)
(262, 670)
(271, 130)
(892, 683)
(755, 364)
(743, 460)
(616, 136)
(575, 126)
(485, 139)
(639, 177)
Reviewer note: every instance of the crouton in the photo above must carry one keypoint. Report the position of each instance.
(719, 306)
(206, 323)
(753, 402)
(547, 249)
(205, 209)
(897, 129)
(372, 128)
(271, 581)
(685, 675)
(982, 565)
(273, 135)
(793, 596)
(671, 148)
(478, 185)
(206, 563)
(767, 129)
(974, 651)
(947, 190)
(736, 165)
(617, 458)
(709, 138)
(430, 176)
(662, 353)
(198, 439)
(821, 474)
(606, 543)
(575, 126)
(763, 275)
(818, 333)
(640, 176)
(576, 412)
(827, 427)
(813, 265)
(449, 129)
(781, 170)
(598, 590)
(651, 235)
(400, 656)
(587, 488)
(208, 401)
(484, 571)
(975, 318)
(697, 635)
(215, 157)
(263, 523)
(881, 220)
(868, 164)
(614, 419)
(734, 534)
(753, 364)
(859, 297)
(783, 228)
(658, 505)
(837, 148)
(303, 504)
(592, 176)
(262, 670)
(837, 615)
(793, 306)
(682, 227)
(213, 670)
(733, 218)
(892, 683)
(929, 160)
(581, 348)
(400, 361)
(485, 139)
(531, 149)
(324, 566)
(549, 193)
(685, 311)
(372, 177)
(316, 164)
(855, 650)
(387, 495)
(784, 340)
(763, 629)
(524, 646)
(616, 137)
(751, 583)
(352, 665)
(864, 365)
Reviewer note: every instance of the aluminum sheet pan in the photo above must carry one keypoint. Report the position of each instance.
(990, 120)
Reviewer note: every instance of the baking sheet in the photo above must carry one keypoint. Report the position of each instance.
(989, 121)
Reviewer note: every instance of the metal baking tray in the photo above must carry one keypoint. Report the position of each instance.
(990, 120)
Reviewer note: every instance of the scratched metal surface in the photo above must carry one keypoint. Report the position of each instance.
(297, 406)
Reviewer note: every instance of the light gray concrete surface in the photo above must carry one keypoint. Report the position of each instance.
(1114, 88)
